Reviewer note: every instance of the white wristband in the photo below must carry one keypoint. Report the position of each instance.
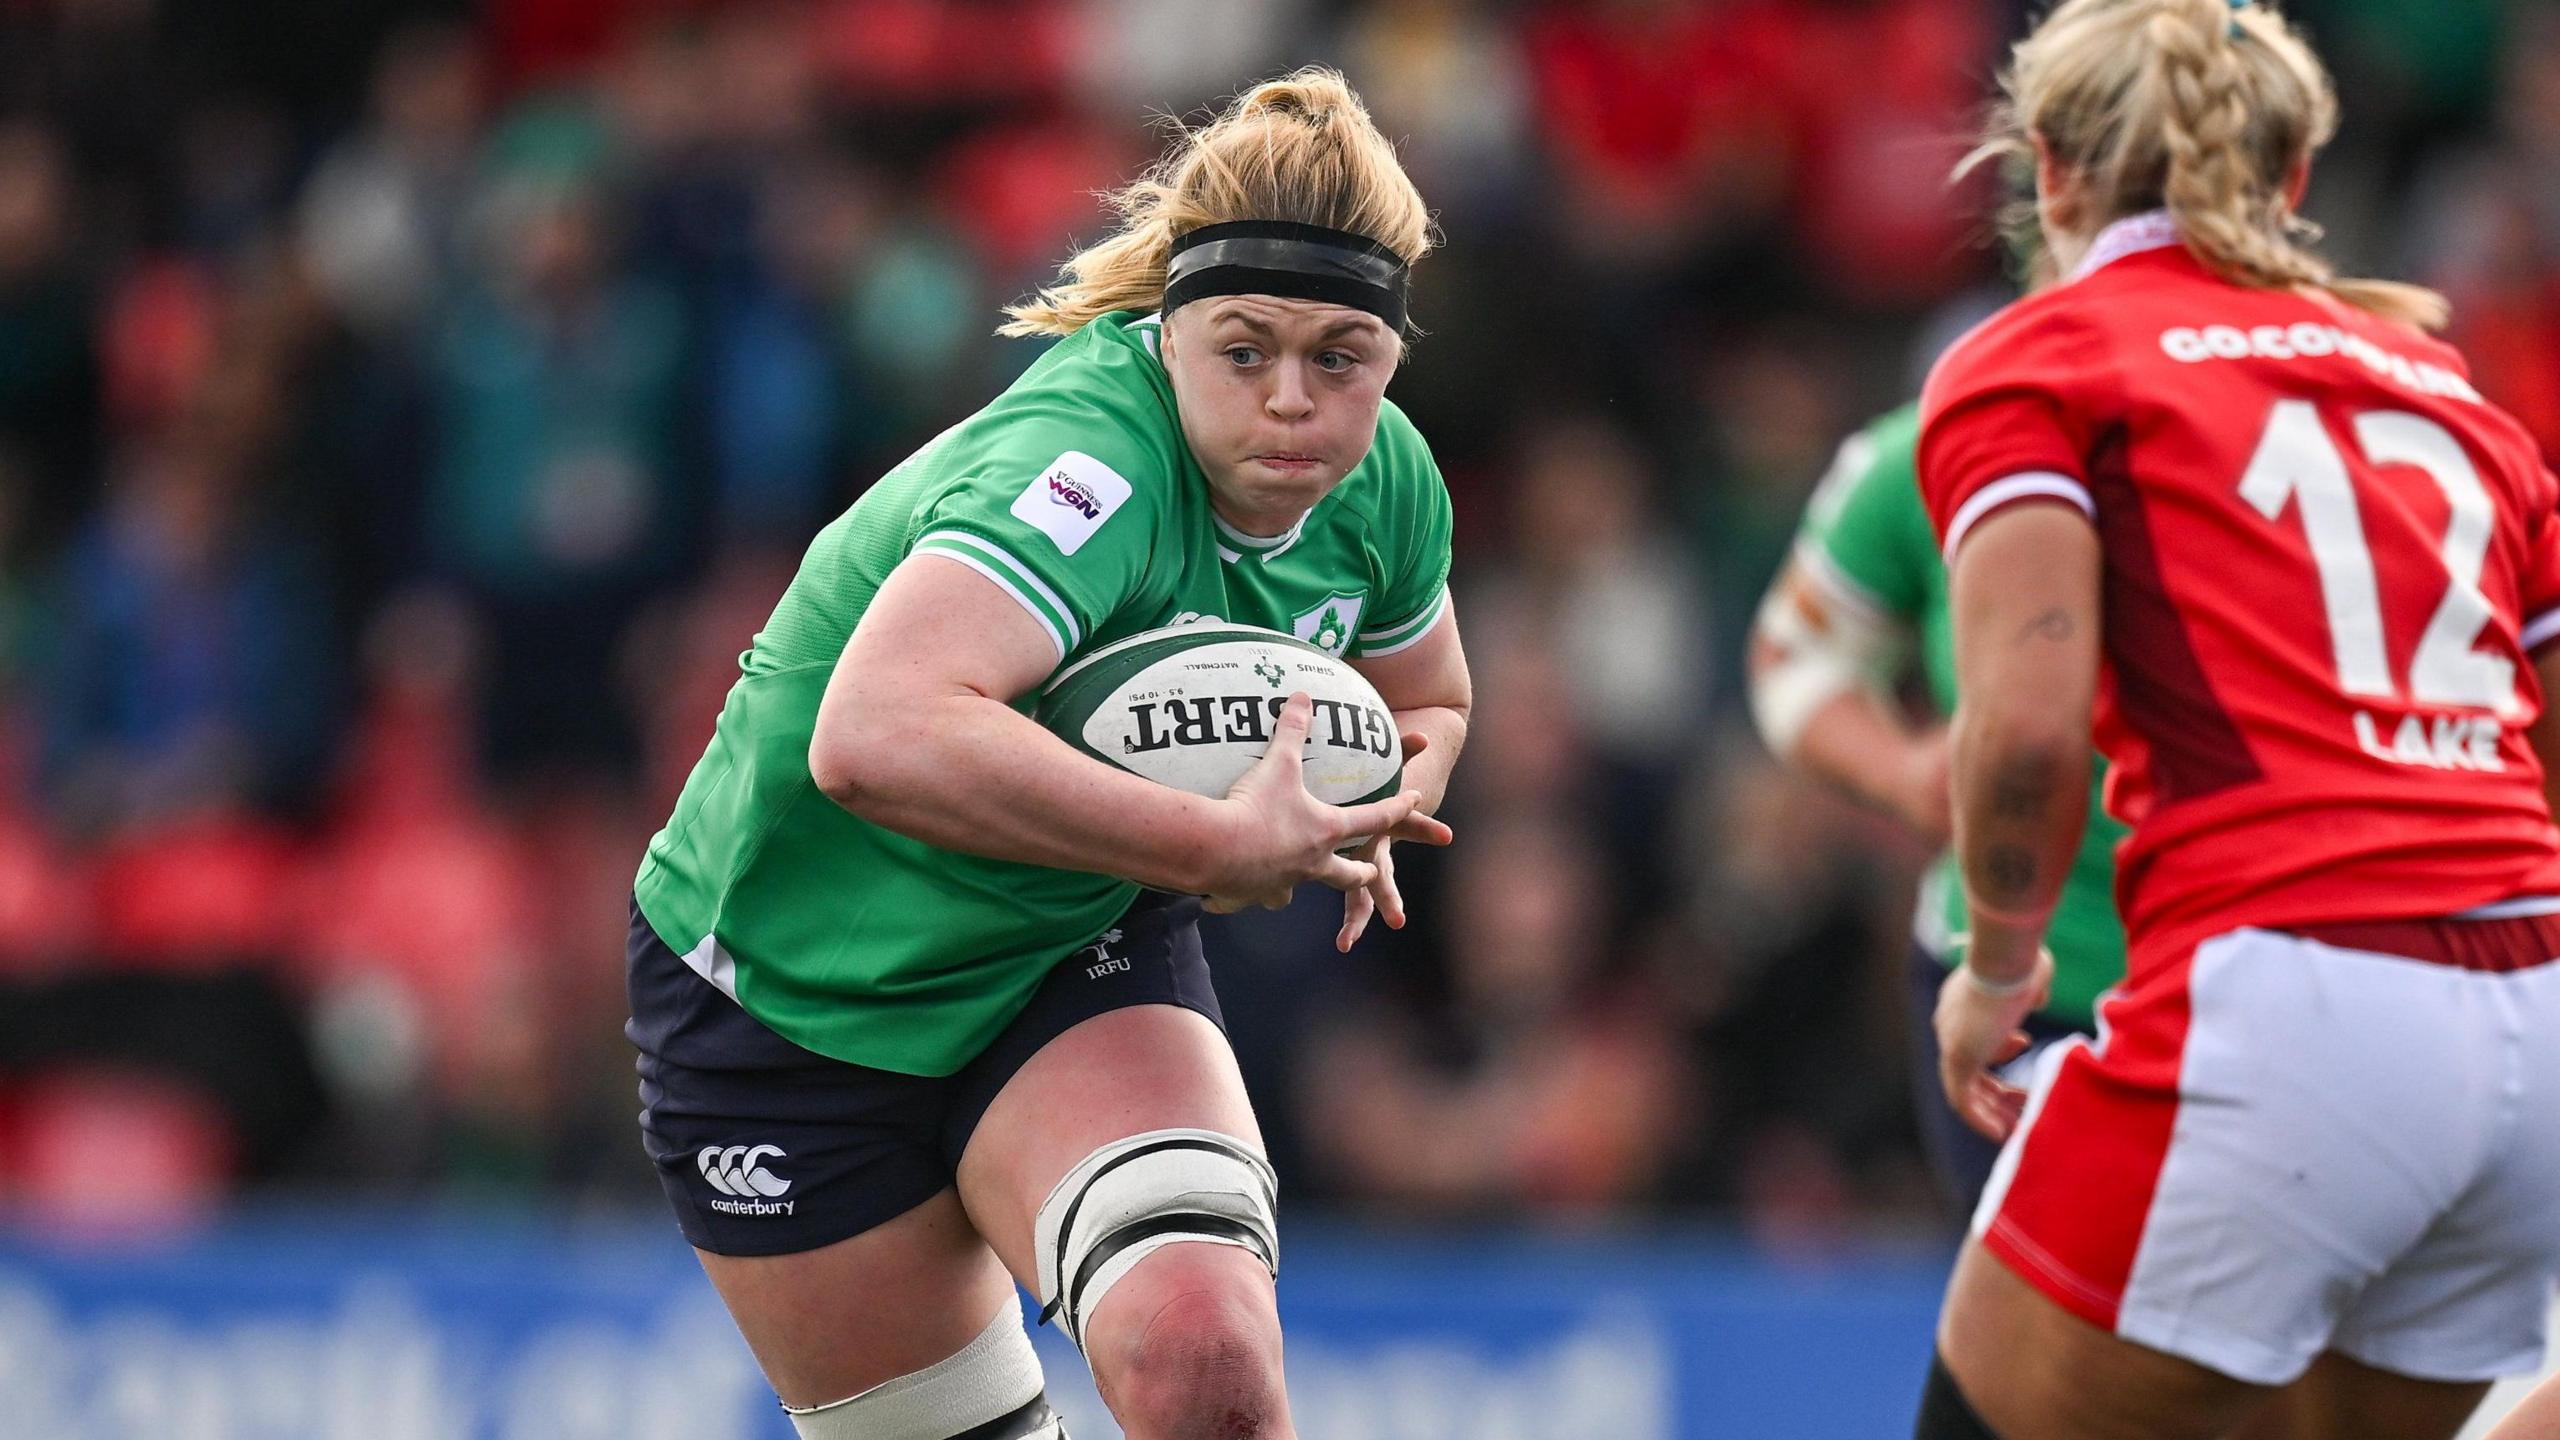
(1996, 989)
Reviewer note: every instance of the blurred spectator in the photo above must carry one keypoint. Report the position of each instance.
(1526, 749)
(1618, 602)
(944, 58)
(18, 622)
(105, 73)
(1666, 140)
(788, 410)
(42, 920)
(106, 1152)
(1660, 122)
(554, 498)
(1445, 81)
(2418, 69)
(919, 331)
(415, 915)
(379, 215)
(188, 656)
(1768, 412)
(206, 891)
(2488, 233)
(48, 361)
(1622, 597)
(1175, 56)
(1021, 192)
(1881, 92)
(231, 176)
(1799, 1026)
(1549, 1080)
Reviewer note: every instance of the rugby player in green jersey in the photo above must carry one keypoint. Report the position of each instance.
(910, 1029)
(1865, 595)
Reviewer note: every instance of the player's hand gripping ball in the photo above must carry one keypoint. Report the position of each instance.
(1192, 706)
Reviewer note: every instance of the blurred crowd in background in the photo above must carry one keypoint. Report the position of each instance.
(408, 412)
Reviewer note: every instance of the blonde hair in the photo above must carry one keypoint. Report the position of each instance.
(1301, 148)
(2200, 107)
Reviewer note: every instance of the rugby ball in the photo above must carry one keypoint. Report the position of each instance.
(1192, 706)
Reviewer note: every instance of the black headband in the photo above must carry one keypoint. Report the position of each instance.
(1278, 257)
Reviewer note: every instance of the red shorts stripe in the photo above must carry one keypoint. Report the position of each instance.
(2109, 1113)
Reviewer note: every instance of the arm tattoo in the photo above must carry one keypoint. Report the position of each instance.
(2053, 624)
(2022, 788)
(2010, 871)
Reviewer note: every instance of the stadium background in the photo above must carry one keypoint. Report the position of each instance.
(408, 411)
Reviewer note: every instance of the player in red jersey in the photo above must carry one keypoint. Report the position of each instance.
(2246, 513)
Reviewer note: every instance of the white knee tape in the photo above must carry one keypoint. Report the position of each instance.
(1132, 1197)
(991, 1390)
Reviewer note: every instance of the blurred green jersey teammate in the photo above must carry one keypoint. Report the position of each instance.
(1863, 599)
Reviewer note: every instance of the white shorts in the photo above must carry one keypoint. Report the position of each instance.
(2281, 1145)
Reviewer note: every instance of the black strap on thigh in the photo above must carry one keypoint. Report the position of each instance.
(1944, 1412)
(1020, 1425)
(1180, 1222)
(1068, 1294)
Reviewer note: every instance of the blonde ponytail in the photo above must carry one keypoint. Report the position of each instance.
(1300, 149)
(2198, 107)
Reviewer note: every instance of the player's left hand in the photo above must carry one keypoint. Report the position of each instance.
(1379, 897)
(1978, 1030)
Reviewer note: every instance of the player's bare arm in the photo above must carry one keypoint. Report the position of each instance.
(916, 733)
(1816, 666)
(2025, 591)
(1429, 689)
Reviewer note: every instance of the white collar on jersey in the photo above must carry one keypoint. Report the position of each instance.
(1233, 543)
(2150, 230)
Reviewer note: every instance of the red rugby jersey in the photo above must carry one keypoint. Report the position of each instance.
(2327, 561)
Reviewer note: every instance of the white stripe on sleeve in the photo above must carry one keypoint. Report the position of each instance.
(1399, 638)
(1047, 626)
(2028, 485)
(2540, 629)
(1024, 573)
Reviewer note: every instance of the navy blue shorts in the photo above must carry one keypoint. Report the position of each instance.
(766, 1148)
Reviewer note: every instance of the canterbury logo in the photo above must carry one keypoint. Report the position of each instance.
(737, 1170)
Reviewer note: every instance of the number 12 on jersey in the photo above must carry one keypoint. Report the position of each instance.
(2297, 461)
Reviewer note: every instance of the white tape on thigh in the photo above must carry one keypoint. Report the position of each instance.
(996, 1376)
(1132, 1197)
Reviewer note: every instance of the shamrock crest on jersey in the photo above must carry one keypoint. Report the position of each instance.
(1328, 627)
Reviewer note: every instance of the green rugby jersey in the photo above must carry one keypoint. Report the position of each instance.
(1866, 539)
(1074, 493)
